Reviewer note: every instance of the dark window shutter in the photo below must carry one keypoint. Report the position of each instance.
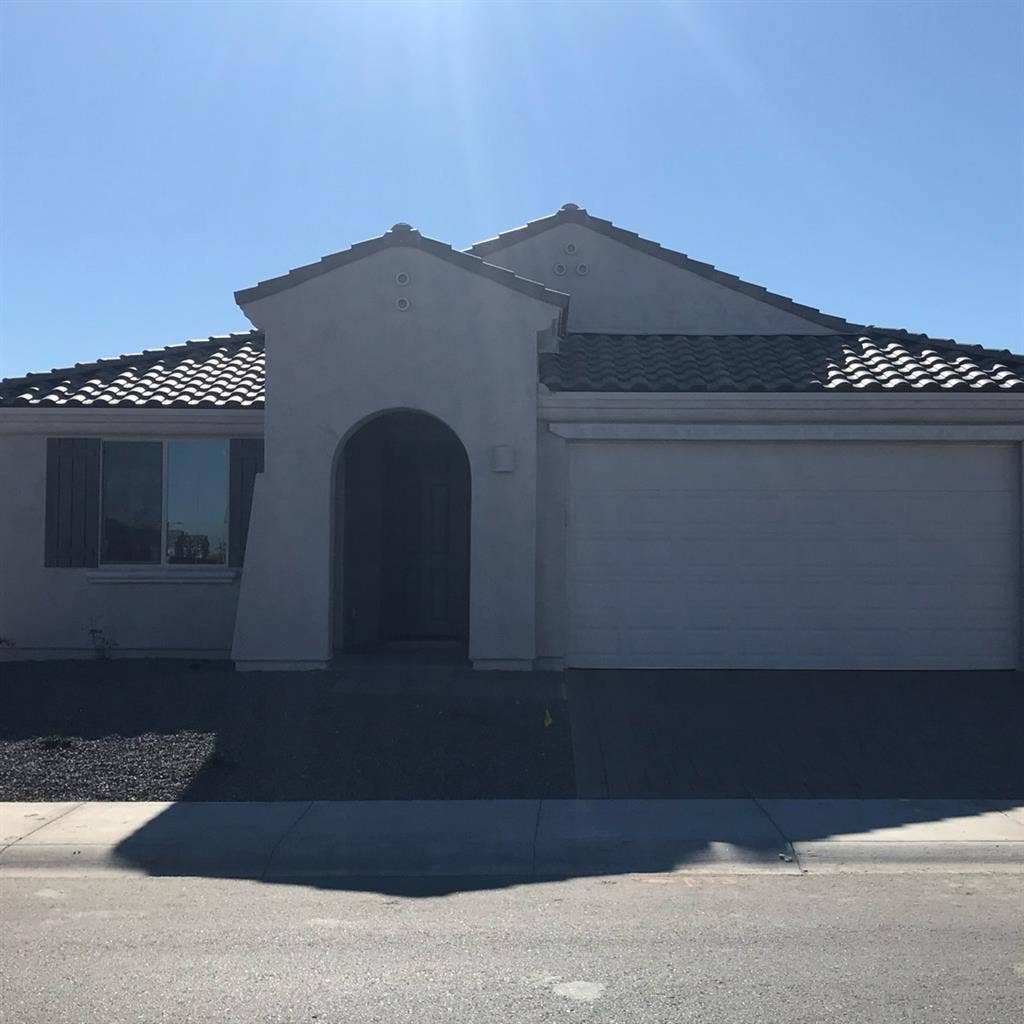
(246, 462)
(72, 501)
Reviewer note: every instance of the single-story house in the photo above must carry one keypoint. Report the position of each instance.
(565, 446)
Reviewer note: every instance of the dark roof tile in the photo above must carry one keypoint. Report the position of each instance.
(223, 371)
(227, 371)
(767, 363)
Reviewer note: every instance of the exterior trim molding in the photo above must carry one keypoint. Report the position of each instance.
(738, 408)
(164, 574)
(32, 653)
(94, 422)
(281, 666)
(503, 664)
(549, 664)
(784, 432)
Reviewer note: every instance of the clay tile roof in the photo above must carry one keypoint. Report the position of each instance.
(227, 371)
(890, 361)
(224, 371)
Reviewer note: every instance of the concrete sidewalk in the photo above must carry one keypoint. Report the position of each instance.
(511, 838)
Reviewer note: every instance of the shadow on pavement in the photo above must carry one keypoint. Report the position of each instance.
(431, 848)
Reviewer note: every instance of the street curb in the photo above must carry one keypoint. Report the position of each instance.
(526, 839)
(841, 856)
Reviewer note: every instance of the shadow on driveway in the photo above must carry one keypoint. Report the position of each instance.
(811, 734)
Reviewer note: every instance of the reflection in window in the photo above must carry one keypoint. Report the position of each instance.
(132, 500)
(197, 502)
(180, 485)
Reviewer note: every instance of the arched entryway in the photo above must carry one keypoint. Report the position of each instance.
(402, 504)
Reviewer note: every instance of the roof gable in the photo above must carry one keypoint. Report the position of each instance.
(570, 213)
(403, 235)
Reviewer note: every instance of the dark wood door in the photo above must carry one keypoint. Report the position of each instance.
(426, 540)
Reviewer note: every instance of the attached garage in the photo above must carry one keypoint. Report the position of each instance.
(696, 554)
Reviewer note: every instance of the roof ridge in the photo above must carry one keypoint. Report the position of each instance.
(106, 362)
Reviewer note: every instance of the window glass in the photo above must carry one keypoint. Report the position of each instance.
(197, 502)
(132, 498)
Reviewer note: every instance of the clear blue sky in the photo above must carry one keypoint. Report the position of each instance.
(864, 158)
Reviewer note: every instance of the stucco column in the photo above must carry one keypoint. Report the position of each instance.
(502, 585)
(283, 619)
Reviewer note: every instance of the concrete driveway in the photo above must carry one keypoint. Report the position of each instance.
(830, 735)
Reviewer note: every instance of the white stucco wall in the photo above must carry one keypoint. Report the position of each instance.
(552, 484)
(48, 612)
(627, 291)
(338, 352)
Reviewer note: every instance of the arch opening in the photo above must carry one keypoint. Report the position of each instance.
(402, 536)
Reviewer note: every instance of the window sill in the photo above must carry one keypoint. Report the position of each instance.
(164, 574)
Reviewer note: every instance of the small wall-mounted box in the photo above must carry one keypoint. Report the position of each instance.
(503, 458)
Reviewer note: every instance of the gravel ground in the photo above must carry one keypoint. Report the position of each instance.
(147, 767)
(159, 730)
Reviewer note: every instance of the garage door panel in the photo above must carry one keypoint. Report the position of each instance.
(702, 641)
(993, 510)
(739, 513)
(776, 610)
(793, 555)
(819, 642)
(986, 598)
(875, 649)
(965, 552)
(755, 467)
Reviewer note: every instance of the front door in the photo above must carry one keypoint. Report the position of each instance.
(425, 565)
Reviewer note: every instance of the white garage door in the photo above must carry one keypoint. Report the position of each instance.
(793, 555)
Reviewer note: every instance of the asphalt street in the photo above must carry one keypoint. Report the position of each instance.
(927, 947)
